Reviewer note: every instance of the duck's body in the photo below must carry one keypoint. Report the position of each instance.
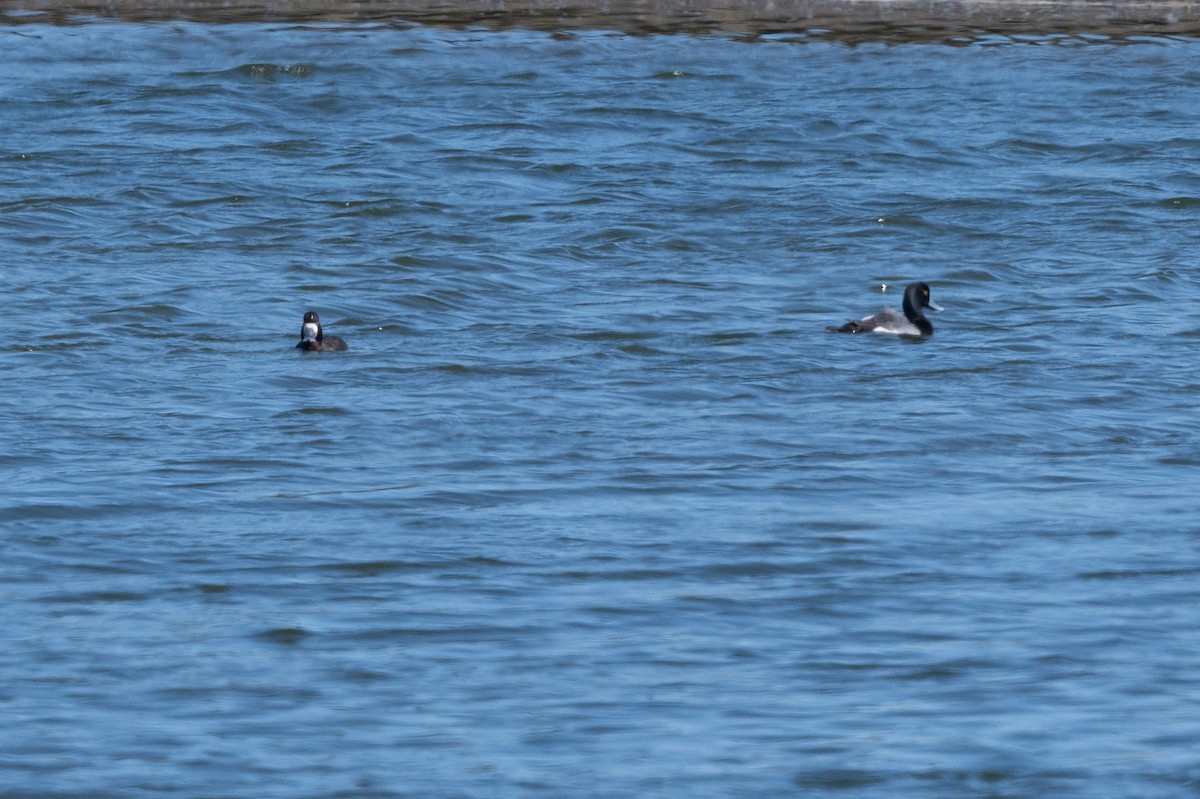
(911, 323)
(313, 338)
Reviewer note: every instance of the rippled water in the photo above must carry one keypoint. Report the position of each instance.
(593, 506)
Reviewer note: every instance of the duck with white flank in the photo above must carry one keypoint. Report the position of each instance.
(313, 338)
(912, 323)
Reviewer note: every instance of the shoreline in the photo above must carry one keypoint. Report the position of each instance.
(852, 20)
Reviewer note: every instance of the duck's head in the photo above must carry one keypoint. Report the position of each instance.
(916, 298)
(310, 331)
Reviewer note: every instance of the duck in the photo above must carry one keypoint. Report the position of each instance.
(912, 323)
(313, 338)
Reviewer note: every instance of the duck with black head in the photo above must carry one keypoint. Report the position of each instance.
(313, 338)
(912, 323)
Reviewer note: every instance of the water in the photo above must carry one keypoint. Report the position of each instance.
(593, 506)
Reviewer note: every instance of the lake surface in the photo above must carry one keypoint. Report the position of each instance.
(593, 506)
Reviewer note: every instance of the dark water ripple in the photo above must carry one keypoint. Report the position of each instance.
(592, 507)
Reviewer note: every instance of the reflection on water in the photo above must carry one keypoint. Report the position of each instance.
(843, 20)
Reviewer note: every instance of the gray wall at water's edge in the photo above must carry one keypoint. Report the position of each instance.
(840, 19)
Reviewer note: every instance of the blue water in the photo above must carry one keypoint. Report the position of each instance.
(593, 506)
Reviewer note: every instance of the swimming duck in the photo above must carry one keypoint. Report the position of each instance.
(912, 323)
(313, 339)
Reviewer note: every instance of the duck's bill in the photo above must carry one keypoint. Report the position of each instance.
(308, 332)
(935, 306)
